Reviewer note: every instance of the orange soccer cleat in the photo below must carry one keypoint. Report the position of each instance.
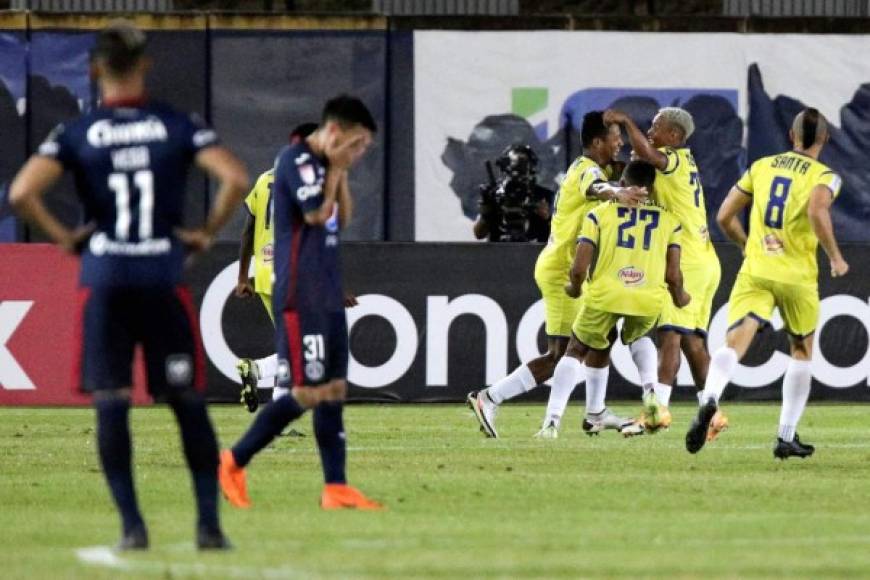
(340, 496)
(718, 423)
(232, 480)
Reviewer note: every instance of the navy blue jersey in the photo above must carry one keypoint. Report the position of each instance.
(307, 275)
(130, 166)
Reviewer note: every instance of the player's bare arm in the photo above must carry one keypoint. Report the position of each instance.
(674, 278)
(232, 175)
(819, 211)
(345, 201)
(246, 250)
(631, 196)
(728, 217)
(580, 268)
(25, 196)
(641, 145)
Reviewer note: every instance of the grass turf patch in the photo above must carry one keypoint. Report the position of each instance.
(459, 504)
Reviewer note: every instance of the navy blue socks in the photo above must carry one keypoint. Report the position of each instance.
(201, 452)
(329, 431)
(268, 425)
(113, 442)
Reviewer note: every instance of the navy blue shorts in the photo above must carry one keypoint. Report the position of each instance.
(114, 320)
(312, 347)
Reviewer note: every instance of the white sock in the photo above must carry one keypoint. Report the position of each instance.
(267, 367)
(795, 392)
(568, 373)
(645, 357)
(518, 382)
(596, 389)
(722, 367)
(279, 392)
(663, 393)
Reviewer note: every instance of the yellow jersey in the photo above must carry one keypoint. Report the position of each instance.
(678, 189)
(632, 243)
(569, 207)
(260, 205)
(781, 244)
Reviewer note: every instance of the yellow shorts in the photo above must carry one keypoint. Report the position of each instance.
(560, 309)
(798, 304)
(267, 303)
(593, 327)
(701, 282)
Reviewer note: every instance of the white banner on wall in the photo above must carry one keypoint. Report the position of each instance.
(477, 92)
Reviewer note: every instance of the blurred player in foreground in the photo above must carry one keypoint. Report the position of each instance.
(257, 241)
(585, 186)
(790, 196)
(130, 159)
(636, 251)
(678, 189)
(312, 202)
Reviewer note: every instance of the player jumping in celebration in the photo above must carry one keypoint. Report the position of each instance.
(678, 189)
(638, 253)
(257, 241)
(790, 196)
(312, 201)
(130, 159)
(585, 186)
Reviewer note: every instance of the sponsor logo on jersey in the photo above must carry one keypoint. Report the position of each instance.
(308, 191)
(104, 133)
(307, 173)
(773, 245)
(101, 245)
(630, 276)
(283, 371)
(302, 158)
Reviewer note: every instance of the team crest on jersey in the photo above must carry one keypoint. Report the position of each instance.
(283, 374)
(704, 233)
(268, 253)
(773, 245)
(307, 173)
(630, 276)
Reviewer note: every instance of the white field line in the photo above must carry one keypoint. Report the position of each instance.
(106, 557)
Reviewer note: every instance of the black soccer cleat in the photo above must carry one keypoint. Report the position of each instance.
(697, 433)
(785, 449)
(135, 539)
(207, 539)
(247, 369)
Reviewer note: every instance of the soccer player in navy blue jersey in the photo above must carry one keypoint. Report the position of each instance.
(312, 202)
(130, 159)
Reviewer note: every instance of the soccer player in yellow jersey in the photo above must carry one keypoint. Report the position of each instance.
(637, 266)
(257, 242)
(585, 186)
(678, 189)
(790, 195)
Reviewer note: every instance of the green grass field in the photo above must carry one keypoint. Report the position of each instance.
(459, 505)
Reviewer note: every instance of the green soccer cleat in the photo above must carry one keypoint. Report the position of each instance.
(250, 376)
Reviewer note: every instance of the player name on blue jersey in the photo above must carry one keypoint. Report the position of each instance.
(130, 166)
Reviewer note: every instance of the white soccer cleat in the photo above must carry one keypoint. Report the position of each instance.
(550, 430)
(485, 411)
(607, 419)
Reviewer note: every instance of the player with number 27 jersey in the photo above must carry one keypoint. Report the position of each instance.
(781, 246)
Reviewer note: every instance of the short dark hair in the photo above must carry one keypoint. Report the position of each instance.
(593, 127)
(639, 174)
(347, 110)
(119, 47)
(302, 131)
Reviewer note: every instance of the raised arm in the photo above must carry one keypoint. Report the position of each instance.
(331, 185)
(728, 217)
(819, 211)
(345, 202)
(639, 142)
